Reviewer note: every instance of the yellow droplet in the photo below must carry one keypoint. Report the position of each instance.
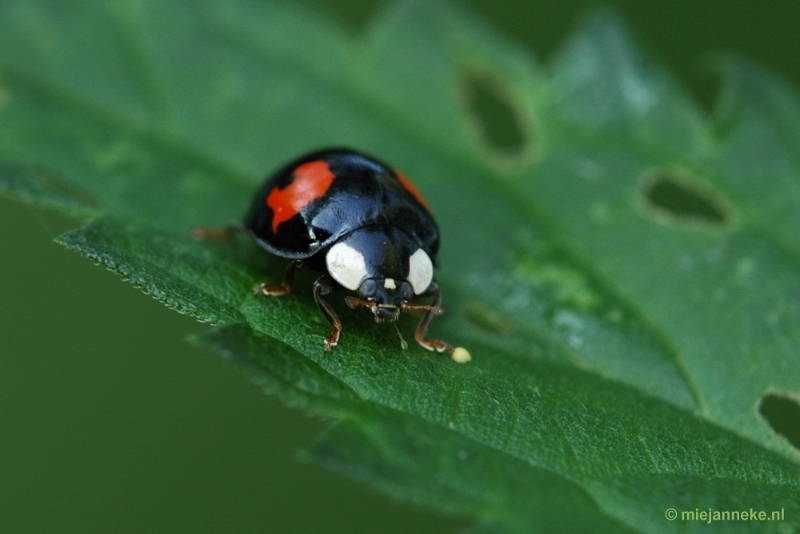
(461, 355)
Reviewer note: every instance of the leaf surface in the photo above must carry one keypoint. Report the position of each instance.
(619, 348)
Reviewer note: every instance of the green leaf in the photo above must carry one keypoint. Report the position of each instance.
(626, 278)
(40, 186)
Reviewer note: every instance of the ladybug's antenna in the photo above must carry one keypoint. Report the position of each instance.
(422, 307)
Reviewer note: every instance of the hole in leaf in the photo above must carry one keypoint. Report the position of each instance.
(671, 195)
(495, 115)
(783, 415)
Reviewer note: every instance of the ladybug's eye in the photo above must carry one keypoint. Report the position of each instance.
(368, 288)
(406, 291)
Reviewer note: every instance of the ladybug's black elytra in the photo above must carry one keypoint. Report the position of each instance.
(360, 222)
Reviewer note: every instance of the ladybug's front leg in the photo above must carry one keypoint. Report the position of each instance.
(425, 323)
(324, 286)
(284, 288)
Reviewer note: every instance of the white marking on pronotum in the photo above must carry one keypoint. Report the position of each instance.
(389, 283)
(420, 271)
(346, 265)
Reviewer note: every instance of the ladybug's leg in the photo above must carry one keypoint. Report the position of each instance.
(284, 288)
(425, 323)
(208, 233)
(324, 286)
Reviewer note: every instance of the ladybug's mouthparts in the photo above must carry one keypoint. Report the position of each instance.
(385, 312)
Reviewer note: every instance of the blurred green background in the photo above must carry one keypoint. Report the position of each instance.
(111, 422)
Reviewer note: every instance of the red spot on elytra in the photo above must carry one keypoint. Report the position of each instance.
(311, 181)
(410, 188)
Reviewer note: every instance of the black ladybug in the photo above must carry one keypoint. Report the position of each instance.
(360, 222)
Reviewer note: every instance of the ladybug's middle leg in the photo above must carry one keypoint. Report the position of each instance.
(324, 286)
(284, 288)
(208, 233)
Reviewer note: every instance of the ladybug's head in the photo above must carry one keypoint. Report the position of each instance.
(387, 296)
(385, 266)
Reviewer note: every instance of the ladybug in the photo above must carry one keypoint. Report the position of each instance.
(362, 224)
